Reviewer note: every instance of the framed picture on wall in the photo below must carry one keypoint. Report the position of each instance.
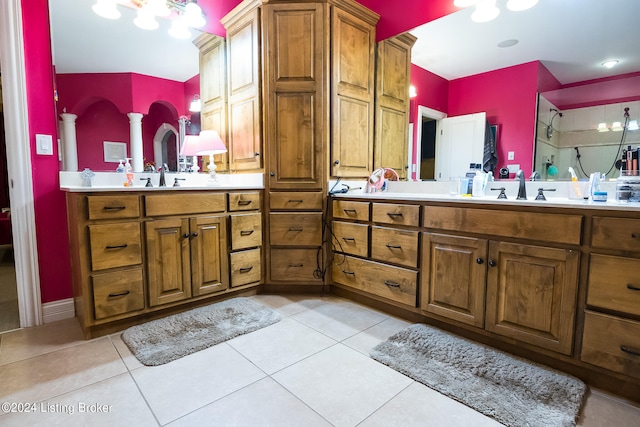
(114, 151)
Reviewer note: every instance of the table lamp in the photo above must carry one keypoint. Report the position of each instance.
(210, 143)
(190, 148)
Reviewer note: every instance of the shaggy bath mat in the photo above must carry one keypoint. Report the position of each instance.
(161, 341)
(510, 390)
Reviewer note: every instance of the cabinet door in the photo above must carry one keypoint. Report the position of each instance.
(393, 69)
(168, 260)
(296, 84)
(209, 268)
(531, 294)
(353, 63)
(213, 89)
(453, 277)
(243, 54)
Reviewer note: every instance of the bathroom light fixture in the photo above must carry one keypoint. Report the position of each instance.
(183, 13)
(196, 104)
(412, 91)
(633, 125)
(602, 127)
(520, 5)
(464, 3)
(210, 143)
(610, 64)
(616, 127)
(486, 11)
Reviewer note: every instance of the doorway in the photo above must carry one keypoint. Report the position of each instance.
(426, 142)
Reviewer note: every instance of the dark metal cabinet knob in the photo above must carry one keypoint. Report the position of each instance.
(492, 263)
(480, 261)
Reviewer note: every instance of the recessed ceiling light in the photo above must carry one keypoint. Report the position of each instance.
(508, 43)
(610, 64)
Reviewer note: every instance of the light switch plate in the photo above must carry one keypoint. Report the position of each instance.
(510, 155)
(44, 144)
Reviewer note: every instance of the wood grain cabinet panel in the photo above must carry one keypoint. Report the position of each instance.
(295, 229)
(622, 234)
(248, 201)
(245, 267)
(395, 246)
(113, 207)
(614, 283)
(295, 265)
(612, 343)
(392, 213)
(531, 294)
(246, 231)
(115, 245)
(208, 243)
(346, 209)
(351, 238)
(453, 277)
(184, 204)
(295, 200)
(118, 292)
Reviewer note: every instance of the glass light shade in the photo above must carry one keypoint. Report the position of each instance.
(486, 11)
(464, 3)
(193, 15)
(159, 7)
(602, 127)
(412, 91)
(106, 9)
(520, 5)
(179, 29)
(633, 125)
(610, 64)
(145, 19)
(616, 126)
(196, 104)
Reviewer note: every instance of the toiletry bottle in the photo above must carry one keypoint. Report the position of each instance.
(120, 168)
(471, 173)
(129, 172)
(478, 183)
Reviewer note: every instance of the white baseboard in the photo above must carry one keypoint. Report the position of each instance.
(58, 310)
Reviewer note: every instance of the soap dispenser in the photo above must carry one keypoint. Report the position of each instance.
(120, 168)
(129, 172)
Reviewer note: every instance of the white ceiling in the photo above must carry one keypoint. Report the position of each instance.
(571, 38)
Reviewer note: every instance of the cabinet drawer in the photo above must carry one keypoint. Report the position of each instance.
(394, 283)
(294, 265)
(616, 233)
(246, 231)
(611, 343)
(111, 207)
(117, 293)
(390, 213)
(547, 227)
(301, 201)
(244, 201)
(115, 245)
(614, 283)
(396, 246)
(245, 267)
(351, 238)
(296, 229)
(183, 204)
(351, 210)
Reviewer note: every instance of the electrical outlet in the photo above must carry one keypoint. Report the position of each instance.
(511, 155)
(513, 168)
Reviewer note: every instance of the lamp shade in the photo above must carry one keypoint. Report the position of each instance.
(190, 145)
(210, 143)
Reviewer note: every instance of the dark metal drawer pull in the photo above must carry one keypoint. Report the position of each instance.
(349, 239)
(244, 202)
(391, 214)
(119, 294)
(348, 211)
(246, 269)
(116, 246)
(295, 229)
(246, 232)
(635, 235)
(633, 287)
(629, 350)
(114, 208)
(296, 265)
(393, 246)
(349, 272)
(391, 284)
(295, 201)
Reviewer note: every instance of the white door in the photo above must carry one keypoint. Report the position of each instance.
(459, 141)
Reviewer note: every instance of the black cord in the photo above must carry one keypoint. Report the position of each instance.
(624, 132)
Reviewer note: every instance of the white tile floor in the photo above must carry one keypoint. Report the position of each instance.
(310, 369)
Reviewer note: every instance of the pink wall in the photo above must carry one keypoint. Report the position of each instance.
(49, 201)
(509, 97)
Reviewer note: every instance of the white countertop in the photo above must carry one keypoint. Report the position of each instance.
(111, 181)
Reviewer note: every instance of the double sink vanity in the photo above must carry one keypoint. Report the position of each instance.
(555, 281)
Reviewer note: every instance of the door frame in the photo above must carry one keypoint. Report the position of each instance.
(427, 113)
(19, 166)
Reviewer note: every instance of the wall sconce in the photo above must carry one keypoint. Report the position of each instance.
(196, 104)
(188, 14)
(412, 91)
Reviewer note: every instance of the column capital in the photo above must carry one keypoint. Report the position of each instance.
(135, 117)
(68, 117)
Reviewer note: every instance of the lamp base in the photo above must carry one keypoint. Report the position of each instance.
(213, 178)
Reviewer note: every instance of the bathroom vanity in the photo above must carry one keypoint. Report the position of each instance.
(556, 282)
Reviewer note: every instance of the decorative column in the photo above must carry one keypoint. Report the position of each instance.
(69, 142)
(135, 141)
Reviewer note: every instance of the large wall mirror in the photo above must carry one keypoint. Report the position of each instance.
(122, 65)
(571, 38)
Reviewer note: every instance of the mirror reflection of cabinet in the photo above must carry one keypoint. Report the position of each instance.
(393, 71)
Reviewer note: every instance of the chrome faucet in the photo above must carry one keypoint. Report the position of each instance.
(522, 189)
(535, 176)
(162, 181)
